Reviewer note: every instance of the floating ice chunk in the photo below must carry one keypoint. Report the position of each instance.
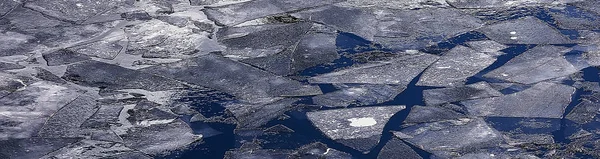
(397, 4)
(359, 128)
(32, 147)
(313, 49)
(550, 97)
(256, 115)
(98, 74)
(96, 149)
(455, 66)
(7, 6)
(576, 19)
(584, 112)
(396, 148)
(425, 114)
(399, 71)
(471, 4)
(318, 150)
(589, 5)
(25, 111)
(107, 48)
(233, 77)
(160, 139)
(64, 56)
(74, 10)
(535, 65)
(237, 13)
(260, 41)
(362, 24)
(445, 138)
(358, 95)
(15, 43)
(529, 139)
(66, 122)
(488, 46)
(529, 30)
(10, 66)
(467, 92)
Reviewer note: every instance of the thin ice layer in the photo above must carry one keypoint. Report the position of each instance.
(542, 100)
(358, 95)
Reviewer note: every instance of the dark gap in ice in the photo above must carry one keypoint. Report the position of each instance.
(211, 147)
(327, 88)
(511, 52)
(511, 124)
(562, 135)
(450, 43)
(411, 96)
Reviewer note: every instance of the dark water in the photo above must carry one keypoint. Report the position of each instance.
(223, 138)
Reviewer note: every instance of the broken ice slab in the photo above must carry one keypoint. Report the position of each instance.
(584, 112)
(109, 76)
(63, 57)
(26, 110)
(395, 29)
(359, 95)
(104, 117)
(160, 138)
(10, 66)
(32, 147)
(96, 149)
(256, 115)
(66, 122)
(447, 138)
(233, 77)
(10, 83)
(478, 4)
(542, 100)
(359, 128)
(527, 30)
(262, 40)
(487, 46)
(312, 50)
(15, 43)
(573, 18)
(237, 13)
(158, 39)
(398, 71)
(107, 48)
(455, 94)
(426, 114)
(455, 66)
(318, 150)
(526, 140)
(256, 153)
(396, 148)
(535, 65)
(397, 4)
(591, 6)
(7, 6)
(75, 10)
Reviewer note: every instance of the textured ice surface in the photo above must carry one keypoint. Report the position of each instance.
(399, 71)
(426, 114)
(338, 124)
(550, 97)
(455, 66)
(537, 64)
(454, 136)
(526, 30)
(455, 94)
(367, 94)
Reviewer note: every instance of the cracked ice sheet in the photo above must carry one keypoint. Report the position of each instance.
(256, 115)
(313, 49)
(472, 4)
(538, 64)
(395, 29)
(527, 30)
(262, 40)
(367, 94)
(32, 147)
(75, 10)
(234, 78)
(467, 92)
(542, 100)
(446, 138)
(398, 71)
(455, 66)
(95, 149)
(237, 13)
(25, 111)
(396, 4)
(359, 128)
